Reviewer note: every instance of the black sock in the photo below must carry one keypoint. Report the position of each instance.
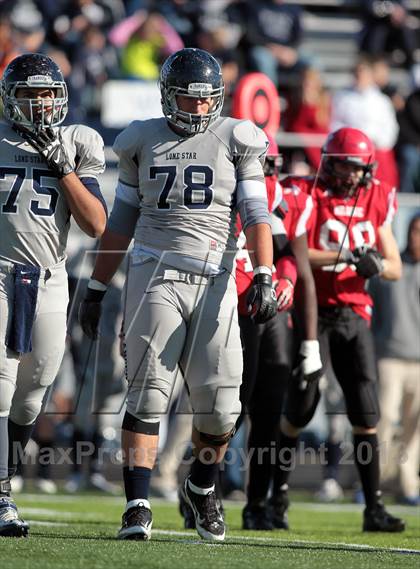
(136, 482)
(94, 464)
(77, 438)
(19, 436)
(4, 448)
(333, 459)
(44, 459)
(366, 458)
(262, 456)
(286, 458)
(203, 475)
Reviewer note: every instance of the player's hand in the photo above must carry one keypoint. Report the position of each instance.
(309, 365)
(49, 144)
(262, 300)
(369, 263)
(347, 256)
(284, 291)
(90, 311)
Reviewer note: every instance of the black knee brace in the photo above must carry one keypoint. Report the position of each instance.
(216, 440)
(131, 423)
(301, 404)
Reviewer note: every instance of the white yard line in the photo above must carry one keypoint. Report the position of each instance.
(276, 540)
(40, 523)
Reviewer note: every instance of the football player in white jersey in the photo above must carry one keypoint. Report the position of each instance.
(182, 179)
(48, 173)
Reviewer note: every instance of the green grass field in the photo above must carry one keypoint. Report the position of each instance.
(79, 532)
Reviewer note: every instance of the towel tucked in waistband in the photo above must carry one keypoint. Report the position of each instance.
(26, 278)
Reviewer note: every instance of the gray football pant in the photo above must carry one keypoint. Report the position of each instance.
(24, 379)
(174, 323)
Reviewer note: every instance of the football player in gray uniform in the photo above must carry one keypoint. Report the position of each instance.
(48, 173)
(182, 178)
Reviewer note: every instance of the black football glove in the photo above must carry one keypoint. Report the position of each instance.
(90, 311)
(369, 263)
(262, 300)
(50, 145)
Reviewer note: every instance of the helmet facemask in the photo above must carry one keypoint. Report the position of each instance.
(39, 113)
(191, 123)
(345, 184)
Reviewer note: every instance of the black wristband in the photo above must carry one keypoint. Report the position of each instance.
(93, 295)
(263, 279)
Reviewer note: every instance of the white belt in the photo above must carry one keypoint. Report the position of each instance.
(190, 278)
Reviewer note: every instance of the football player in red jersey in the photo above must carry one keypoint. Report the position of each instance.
(350, 241)
(268, 348)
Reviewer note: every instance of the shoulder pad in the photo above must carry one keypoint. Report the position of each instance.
(85, 134)
(247, 134)
(128, 139)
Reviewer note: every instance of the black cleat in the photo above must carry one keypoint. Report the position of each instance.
(209, 521)
(137, 522)
(378, 519)
(11, 525)
(256, 517)
(279, 504)
(186, 511)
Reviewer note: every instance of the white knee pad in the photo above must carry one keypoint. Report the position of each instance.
(148, 403)
(7, 389)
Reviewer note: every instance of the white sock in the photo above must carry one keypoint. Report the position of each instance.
(198, 490)
(138, 502)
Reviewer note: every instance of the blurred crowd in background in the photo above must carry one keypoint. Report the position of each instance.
(375, 87)
(95, 41)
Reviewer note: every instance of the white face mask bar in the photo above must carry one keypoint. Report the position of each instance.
(38, 113)
(192, 123)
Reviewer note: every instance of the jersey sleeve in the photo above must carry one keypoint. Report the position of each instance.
(126, 147)
(90, 158)
(391, 206)
(249, 147)
(304, 216)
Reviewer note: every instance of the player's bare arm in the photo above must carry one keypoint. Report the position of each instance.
(320, 258)
(112, 250)
(86, 209)
(260, 244)
(306, 301)
(392, 266)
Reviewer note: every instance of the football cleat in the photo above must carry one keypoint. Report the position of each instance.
(186, 511)
(256, 517)
(209, 521)
(10, 523)
(378, 519)
(137, 522)
(279, 504)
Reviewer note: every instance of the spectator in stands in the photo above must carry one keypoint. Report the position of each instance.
(8, 48)
(182, 15)
(28, 27)
(408, 149)
(381, 75)
(215, 37)
(95, 61)
(364, 107)
(309, 111)
(396, 326)
(148, 46)
(273, 33)
(387, 29)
